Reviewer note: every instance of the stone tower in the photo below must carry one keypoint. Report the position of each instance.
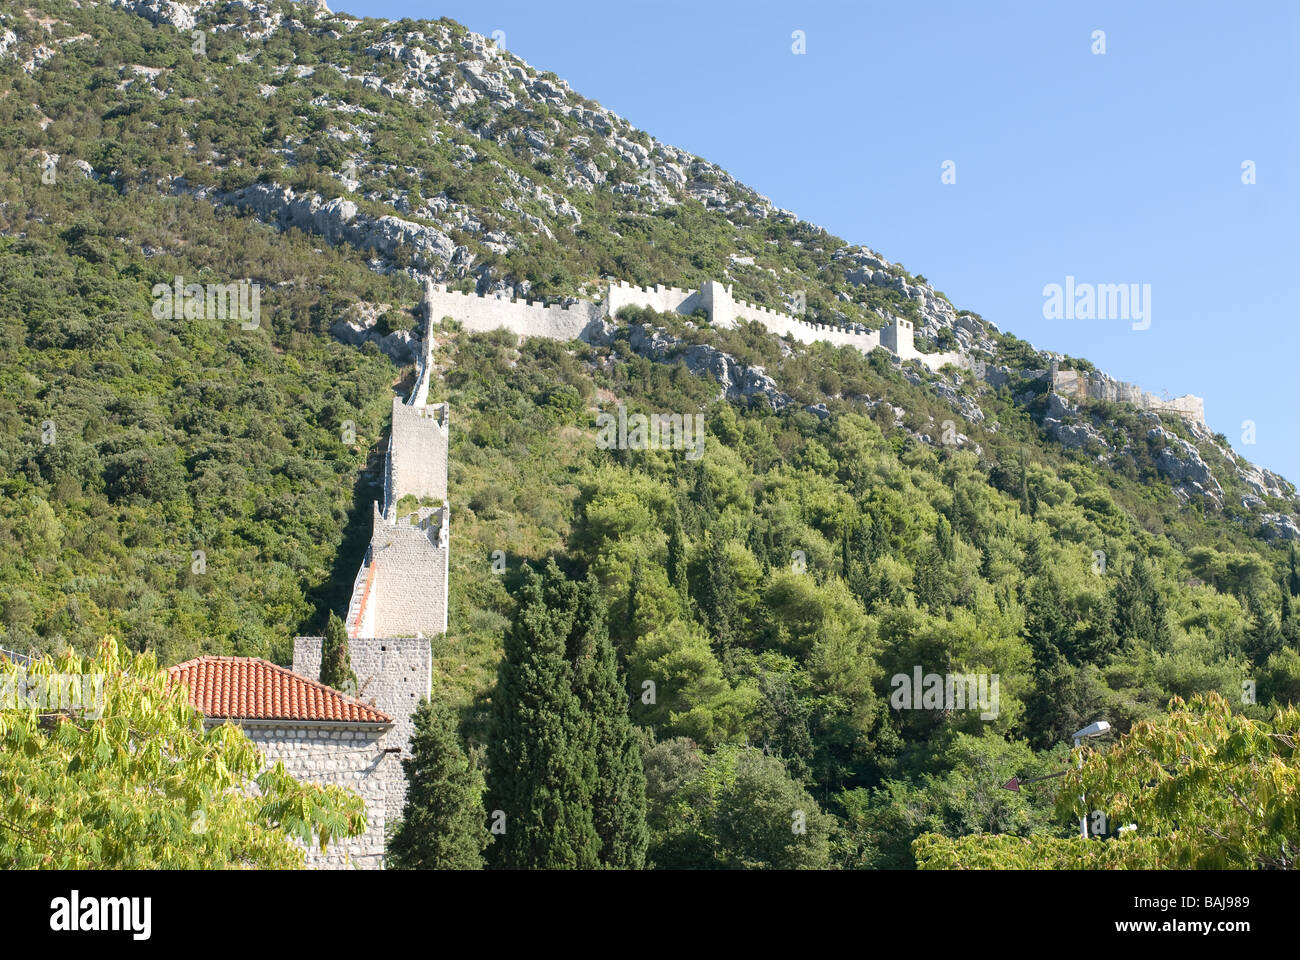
(898, 339)
(399, 597)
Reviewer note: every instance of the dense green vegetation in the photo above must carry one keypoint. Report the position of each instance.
(126, 777)
(912, 555)
(197, 488)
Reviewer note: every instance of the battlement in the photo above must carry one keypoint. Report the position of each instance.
(574, 320)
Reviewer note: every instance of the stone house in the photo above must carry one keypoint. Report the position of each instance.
(323, 736)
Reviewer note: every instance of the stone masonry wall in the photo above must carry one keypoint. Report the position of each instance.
(659, 298)
(523, 318)
(417, 451)
(393, 675)
(1072, 383)
(344, 755)
(530, 319)
(410, 559)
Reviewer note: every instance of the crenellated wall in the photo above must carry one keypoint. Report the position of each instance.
(409, 558)
(524, 318)
(527, 319)
(660, 298)
(417, 452)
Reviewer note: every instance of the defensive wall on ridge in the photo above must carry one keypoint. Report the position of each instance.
(575, 320)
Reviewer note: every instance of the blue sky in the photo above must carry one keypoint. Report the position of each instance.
(1123, 167)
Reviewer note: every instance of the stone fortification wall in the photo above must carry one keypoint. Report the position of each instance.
(1073, 383)
(536, 320)
(393, 675)
(417, 452)
(409, 557)
(523, 318)
(660, 298)
(345, 755)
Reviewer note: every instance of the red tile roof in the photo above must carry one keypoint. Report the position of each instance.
(249, 688)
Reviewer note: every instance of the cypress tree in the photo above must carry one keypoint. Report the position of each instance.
(540, 764)
(943, 538)
(1293, 581)
(443, 824)
(335, 661)
(1263, 637)
(618, 795)
(677, 556)
(718, 603)
(633, 588)
(1026, 507)
(1290, 627)
(702, 497)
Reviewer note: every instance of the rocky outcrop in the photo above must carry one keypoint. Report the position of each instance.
(738, 381)
(358, 326)
(1179, 462)
(1096, 385)
(863, 266)
(338, 221)
(1279, 526)
(157, 12)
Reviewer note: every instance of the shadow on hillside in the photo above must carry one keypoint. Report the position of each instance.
(333, 593)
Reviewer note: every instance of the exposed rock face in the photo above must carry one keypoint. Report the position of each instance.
(738, 381)
(178, 15)
(358, 326)
(1180, 463)
(338, 221)
(947, 389)
(1279, 526)
(1098, 386)
(863, 266)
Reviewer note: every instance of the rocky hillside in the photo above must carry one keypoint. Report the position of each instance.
(193, 484)
(436, 154)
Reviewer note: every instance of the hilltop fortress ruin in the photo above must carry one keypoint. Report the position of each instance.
(1098, 386)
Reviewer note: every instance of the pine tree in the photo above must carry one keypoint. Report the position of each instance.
(335, 661)
(443, 825)
(618, 796)
(540, 764)
(1140, 609)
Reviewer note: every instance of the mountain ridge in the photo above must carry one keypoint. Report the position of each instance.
(442, 64)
